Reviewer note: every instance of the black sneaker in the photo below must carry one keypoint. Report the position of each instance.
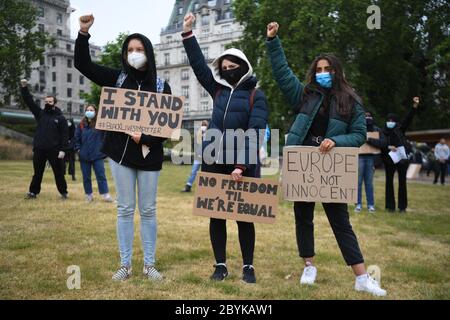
(30, 195)
(248, 274)
(187, 188)
(220, 273)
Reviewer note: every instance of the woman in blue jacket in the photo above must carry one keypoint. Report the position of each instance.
(329, 114)
(88, 142)
(237, 105)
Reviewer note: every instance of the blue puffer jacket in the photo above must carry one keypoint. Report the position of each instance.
(231, 108)
(89, 141)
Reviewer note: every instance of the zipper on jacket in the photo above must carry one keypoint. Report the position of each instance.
(223, 125)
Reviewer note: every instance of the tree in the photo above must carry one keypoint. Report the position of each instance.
(408, 56)
(21, 44)
(110, 57)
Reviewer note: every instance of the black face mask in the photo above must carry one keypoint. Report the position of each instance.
(232, 76)
(369, 122)
(49, 106)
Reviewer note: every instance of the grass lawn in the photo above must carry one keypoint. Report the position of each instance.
(39, 239)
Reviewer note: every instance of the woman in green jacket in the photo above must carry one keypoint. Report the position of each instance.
(329, 114)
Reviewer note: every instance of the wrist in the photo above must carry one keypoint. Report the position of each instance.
(187, 34)
(84, 32)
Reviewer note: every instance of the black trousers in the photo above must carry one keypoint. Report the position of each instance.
(69, 163)
(337, 214)
(218, 227)
(401, 168)
(40, 158)
(441, 169)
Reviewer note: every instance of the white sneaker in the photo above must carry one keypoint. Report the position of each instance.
(372, 209)
(107, 197)
(358, 208)
(370, 285)
(309, 275)
(89, 197)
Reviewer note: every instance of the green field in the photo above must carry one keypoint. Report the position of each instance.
(39, 239)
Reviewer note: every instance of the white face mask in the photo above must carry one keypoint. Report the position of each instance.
(204, 128)
(137, 59)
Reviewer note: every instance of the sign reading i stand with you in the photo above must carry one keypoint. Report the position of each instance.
(249, 199)
(151, 113)
(309, 175)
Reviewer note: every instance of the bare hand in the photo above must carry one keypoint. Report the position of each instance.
(272, 29)
(188, 22)
(136, 136)
(416, 101)
(24, 82)
(392, 148)
(86, 22)
(326, 145)
(236, 174)
(61, 155)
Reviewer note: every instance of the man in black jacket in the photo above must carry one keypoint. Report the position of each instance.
(50, 142)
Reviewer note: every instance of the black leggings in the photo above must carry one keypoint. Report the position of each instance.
(218, 227)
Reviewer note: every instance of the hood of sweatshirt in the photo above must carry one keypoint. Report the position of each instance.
(233, 52)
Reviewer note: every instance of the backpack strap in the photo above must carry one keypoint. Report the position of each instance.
(252, 99)
(121, 79)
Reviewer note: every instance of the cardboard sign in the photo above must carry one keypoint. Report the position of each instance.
(249, 199)
(151, 113)
(413, 171)
(367, 148)
(309, 175)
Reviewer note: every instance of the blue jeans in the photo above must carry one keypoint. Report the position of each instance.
(99, 169)
(365, 173)
(197, 164)
(125, 179)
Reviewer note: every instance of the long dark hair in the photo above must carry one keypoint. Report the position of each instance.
(342, 90)
(85, 121)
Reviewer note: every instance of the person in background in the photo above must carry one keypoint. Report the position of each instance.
(394, 133)
(442, 154)
(69, 159)
(50, 142)
(88, 144)
(431, 162)
(367, 167)
(198, 139)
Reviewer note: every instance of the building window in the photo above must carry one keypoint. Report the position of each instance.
(69, 78)
(59, 18)
(185, 74)
(54, 91)
(53, 62)
(59, 32)
(204, 93)
(186, 106)
(69, 92)
(69, 63)
(180, 10)
(68, 47)
(228, 14)
(211, 3)
(42, 61)
(69, 107)
(81, 110)
(226, 29)
(54, 76)
(81, 93)
(41, 89)
(205, 20)
(205, 33)
(166, 59)
(205, 53)
(185, 91)
(36, 87)
(196, 6)
(92, 53)
(169, 38)
(204, 105)
(184, 57)
(227, 1)
(41, 12)
(41, 27)
(81, 79)
(166, 76)
(41, 76)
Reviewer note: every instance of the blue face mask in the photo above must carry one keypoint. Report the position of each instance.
(325, 79)
(390, 124)
(90, 114)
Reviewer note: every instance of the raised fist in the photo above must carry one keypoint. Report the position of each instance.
(24, 82)
(188, 22)
(86, 22)
(272, 29)
(416, 101)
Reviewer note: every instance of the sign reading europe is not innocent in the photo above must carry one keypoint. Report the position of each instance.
(309, 175)
(151, 113)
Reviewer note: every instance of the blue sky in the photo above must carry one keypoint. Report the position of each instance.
(115, 16)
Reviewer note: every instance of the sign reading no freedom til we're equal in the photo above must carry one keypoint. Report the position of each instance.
(309, 175)
(249, 199)
(151, 113)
